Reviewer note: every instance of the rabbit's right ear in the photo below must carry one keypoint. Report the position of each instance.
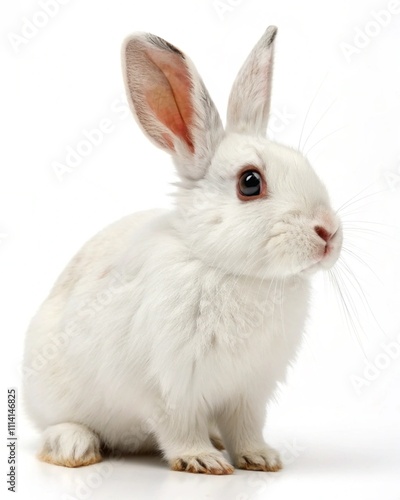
(171, 102)
(249, 102)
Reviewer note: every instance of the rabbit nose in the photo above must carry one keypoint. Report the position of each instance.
(323, 233)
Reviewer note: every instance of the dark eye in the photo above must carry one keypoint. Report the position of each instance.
(250, 183)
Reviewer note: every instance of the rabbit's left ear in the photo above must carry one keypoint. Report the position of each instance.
(249, 102)
(171, 102)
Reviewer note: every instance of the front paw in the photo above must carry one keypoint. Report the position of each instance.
(202, 463)
(267, 459)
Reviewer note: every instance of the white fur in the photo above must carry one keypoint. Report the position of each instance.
(168, 324)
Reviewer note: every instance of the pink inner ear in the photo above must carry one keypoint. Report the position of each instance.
(170, 98)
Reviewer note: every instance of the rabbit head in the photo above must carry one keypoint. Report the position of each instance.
(245, 204)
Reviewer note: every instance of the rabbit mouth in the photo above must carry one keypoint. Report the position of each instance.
(328, 258)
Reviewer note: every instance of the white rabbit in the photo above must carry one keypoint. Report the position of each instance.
(170, 330)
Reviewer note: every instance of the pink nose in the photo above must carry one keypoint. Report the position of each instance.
(323, 233)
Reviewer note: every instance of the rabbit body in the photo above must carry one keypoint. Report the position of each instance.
(170, 330)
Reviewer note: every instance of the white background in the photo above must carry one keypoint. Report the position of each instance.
(337, 421)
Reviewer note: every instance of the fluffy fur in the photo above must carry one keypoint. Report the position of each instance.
(170, 330)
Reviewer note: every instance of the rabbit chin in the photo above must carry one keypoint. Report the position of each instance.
(325, 263)
(288, 269)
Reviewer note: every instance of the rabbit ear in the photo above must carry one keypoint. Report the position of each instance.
(250, 98)
(171, 102)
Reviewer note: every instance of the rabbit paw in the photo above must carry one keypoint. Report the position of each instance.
(70, 445)
(203, 463)
(266, 459)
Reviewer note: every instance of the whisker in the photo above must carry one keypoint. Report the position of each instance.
(361, 293)
(343, 294)
(361, 261)
(366, 231)
(350, 203)
(392, 226)
(319, 121)
(350, 243)
(337, 288)
(309, 109)
(353, 197)
(350, 298)
(323, 138)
